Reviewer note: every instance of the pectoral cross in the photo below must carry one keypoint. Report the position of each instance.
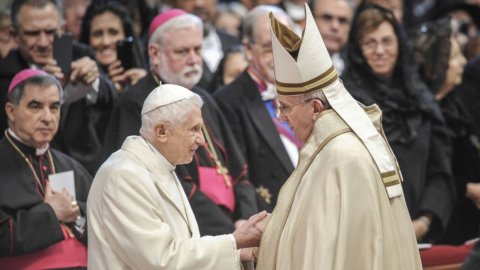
(224, 172)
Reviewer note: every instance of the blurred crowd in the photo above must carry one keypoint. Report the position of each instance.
(418, 60)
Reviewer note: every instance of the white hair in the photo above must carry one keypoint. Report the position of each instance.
(173, 114)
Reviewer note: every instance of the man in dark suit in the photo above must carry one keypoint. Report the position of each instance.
(248, 103)
(35, 23)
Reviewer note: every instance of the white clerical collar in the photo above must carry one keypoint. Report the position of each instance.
(170, 166)
(38, 151)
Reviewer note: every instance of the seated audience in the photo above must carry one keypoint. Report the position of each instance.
(441, 64)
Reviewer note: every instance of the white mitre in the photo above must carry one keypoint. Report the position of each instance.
(165, 94)
(303, 65)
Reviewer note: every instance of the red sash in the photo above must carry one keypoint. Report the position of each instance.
(64, 254)
(214, 186)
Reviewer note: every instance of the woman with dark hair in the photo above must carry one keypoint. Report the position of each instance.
(104, 25)
(441, 64)
(380, 70)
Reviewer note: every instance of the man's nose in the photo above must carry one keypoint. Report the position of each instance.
(44, 39)
(194, 57)
(47, 115)
(200, 139)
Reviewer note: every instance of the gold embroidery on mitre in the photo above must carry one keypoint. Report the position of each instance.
(291, 43)
(265, 194)
(321, 81)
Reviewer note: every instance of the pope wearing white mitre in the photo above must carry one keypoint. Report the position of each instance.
(343, 207)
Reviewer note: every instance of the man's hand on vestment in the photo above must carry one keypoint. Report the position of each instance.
(62, 203)
(248, 235)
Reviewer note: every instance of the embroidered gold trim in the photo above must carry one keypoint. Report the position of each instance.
(323, 80)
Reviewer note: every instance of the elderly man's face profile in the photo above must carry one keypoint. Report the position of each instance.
(184, 140)
(299, 115)
(35, 119)
(37, 29)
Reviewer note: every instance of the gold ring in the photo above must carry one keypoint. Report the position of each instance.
(74, 203)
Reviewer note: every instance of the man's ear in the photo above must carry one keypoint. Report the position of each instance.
(161, 132)
(10, 110)
(248, 50)
(318, 107)
(153, 51)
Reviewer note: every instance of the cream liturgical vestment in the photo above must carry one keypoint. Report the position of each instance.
(334, 213)
(140, 218)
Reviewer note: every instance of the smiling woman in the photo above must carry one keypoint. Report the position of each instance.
(380, 69)
(103, 27)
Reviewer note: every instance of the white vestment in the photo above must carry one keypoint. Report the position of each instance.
(140, 218)
(333, 213)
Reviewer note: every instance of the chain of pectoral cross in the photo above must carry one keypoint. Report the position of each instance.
(222, 170)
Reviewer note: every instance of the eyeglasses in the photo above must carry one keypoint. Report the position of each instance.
(286, 109)
(328, 18)
(372, 45)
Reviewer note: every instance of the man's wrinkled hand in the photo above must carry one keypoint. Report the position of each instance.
(248, 235)
(262, 224)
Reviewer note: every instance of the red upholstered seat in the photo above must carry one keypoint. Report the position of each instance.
(444, 257)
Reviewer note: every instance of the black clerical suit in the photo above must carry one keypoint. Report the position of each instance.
(269, 163)
(27, 224)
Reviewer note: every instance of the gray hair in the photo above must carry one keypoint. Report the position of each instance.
(173, 114)
(252, 17)
(183, 21)
(17, 5)
(317, 95)
(41, 81)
